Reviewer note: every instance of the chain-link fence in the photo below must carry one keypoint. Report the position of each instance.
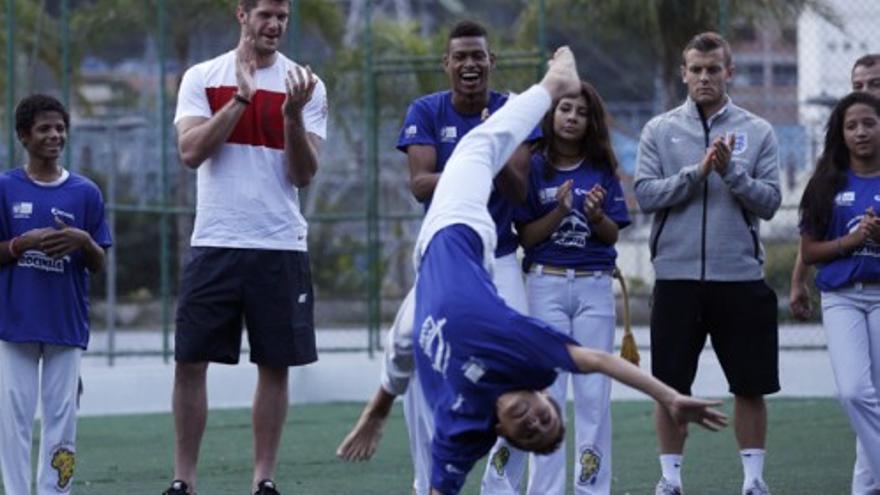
(117, 63)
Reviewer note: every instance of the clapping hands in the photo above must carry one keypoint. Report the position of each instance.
(718, 155)
(593, 204)
(564, 198)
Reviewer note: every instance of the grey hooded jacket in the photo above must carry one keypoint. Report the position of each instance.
(707, 229)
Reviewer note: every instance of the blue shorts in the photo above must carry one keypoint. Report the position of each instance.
(270, 291)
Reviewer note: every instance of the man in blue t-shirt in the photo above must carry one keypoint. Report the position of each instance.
(52, 236)
(482, 365)
(433, 126)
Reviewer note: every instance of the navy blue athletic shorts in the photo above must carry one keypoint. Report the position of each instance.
(269, 291)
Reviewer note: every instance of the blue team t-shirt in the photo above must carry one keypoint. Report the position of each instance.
(573, 244)
(863, 264)
(470, 348)
(432, 120)
(44, 300)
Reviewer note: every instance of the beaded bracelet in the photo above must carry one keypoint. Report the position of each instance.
(11, 246)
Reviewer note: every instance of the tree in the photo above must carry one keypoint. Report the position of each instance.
(36, 43)
(106, 23)
(663, 27)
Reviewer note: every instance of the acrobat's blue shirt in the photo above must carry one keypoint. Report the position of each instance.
(850, 204)
(470, 348)
(572, 244)
(432, 120)
(45, 300)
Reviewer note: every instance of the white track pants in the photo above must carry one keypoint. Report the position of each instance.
(506, 464)
(583, 308)
(852, 323)
(21, 385)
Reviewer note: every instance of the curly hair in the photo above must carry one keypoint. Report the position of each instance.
(27, 110)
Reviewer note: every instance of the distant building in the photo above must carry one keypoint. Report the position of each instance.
(766, 70)
(826, 53)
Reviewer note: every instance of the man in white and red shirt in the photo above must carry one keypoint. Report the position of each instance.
(251, 121)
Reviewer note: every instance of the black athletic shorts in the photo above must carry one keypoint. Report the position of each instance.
(739, 317)
(271, 291)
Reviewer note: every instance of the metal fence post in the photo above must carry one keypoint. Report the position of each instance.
(164, 255)
(10, 82)
(371, 136)
(65, 75)
(110, 274)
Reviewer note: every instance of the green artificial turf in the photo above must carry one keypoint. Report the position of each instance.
(810, 451)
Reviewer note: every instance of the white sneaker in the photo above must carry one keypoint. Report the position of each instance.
(665, 487)
(758, 487)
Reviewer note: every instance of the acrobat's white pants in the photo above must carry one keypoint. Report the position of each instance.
(583, 308)
(398, 369)
(852, 323)
(21, 384)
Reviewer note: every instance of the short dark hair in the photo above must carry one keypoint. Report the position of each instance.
(248, 5)
(27, 110)
(467, 29)
(868, 60)
(552, 442)
(707, 42)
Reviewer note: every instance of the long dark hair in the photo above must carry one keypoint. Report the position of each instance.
(596, 144)
(830, 174)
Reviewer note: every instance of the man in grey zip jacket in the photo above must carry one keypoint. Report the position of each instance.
(709, 171)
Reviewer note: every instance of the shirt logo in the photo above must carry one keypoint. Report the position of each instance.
(62, 215)
(845, 198)
(877, 197)
(740, 143)
(411, 131)
(39, 261)
(452, 469)
(22, 209)
(459, 401)
(572, 232)
(434, 345)
(474, 370)
(676, 140)
(449, 134)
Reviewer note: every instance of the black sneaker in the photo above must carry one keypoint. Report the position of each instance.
(266, 487)
(177, 487)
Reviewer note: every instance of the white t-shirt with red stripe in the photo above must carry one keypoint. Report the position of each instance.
(244, 199)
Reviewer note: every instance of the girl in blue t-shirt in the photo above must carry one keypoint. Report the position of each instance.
(568, 227)
(840, 233)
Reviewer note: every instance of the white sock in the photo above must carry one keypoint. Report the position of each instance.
(753, 466)
(670, 464)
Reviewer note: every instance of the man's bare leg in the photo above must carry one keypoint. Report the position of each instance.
(268, 415)
(361, 443)
(190, 404)
(670, 435)
(750, 421)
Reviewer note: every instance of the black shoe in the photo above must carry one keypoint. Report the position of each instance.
(266, 487)
(177, 487)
